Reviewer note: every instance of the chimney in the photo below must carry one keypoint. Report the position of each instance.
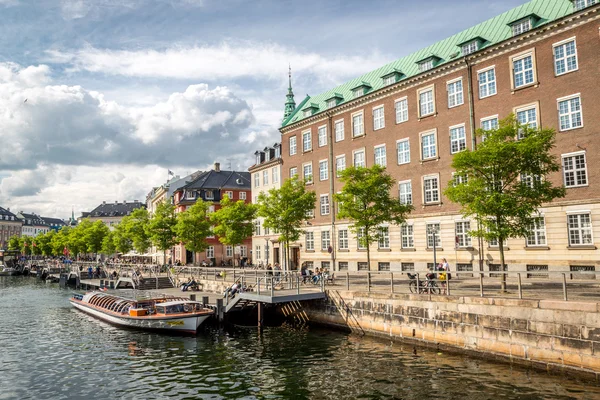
(217, 167)
(116, 201)
(104, 202)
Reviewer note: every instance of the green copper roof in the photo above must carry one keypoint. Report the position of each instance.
(494, 30)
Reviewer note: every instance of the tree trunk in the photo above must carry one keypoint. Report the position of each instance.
(368, 256)
(502, 274)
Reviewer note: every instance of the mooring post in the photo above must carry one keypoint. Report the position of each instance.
(260, 316)
(220, 309)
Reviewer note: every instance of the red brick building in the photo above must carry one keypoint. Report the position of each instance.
(539, 61)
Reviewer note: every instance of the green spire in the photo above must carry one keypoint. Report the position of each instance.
(290, 104)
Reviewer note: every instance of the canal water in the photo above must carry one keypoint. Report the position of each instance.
(52, 351)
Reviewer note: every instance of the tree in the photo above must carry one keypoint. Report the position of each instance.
(285, 209)
(26, 245)
(108, 244)
(161, 228)
(366, 200)
(233, 221)
(193, 227)
(505, 181)
(136, 228)
(76, 238)
(94, 236)
(14, 243)
(44, 242)
(59, 242)
(121, 240)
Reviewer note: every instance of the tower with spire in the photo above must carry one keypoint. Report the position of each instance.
(290, 104)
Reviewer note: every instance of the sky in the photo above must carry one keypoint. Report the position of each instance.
(100, 98)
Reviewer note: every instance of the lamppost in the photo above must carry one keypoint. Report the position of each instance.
(432, 230)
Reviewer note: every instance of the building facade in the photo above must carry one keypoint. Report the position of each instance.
(33, 224)
(111, 214)
(55, 224)
(539, 61)
(265, 175)
(10, 226)
(211, 186)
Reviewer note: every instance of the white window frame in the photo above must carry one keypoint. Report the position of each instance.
(339, 133)
(324, 204)
(407, 236)
(210, 252)
(242, 195)
(565, 58)
(229, 194)
(378, 117)
(380, 159)
(581, 231)
(358, 92)
(384, 238)
(293, 146)
(461, 142)
(426, 65)
(343, 239)
(360, 233)
(364, 160)
(435, 146)
(401, 109)
(275, 173)
(323, 170)
(537, 233)
(570, 114)
(461, 230)
(405, 192)
(306, 144)
(309, 241)
(437, 236)
(521, 26)
(389, 80)
(209, 195)
(331, 103)
(358, 129)
(489, 84)
(469, 48)
(434, 192)
(311, 175)
(340, 164)
(229, 251)
(403, 155)
(514, 59)
(293, 172)
(325, 240)
(581, 4)
(533, 124)
(427, 103)
(455, 92)
(576, 172)
(489, 119)
(265, 177)
(322, 135)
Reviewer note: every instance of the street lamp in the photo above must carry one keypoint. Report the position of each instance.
(432, 230)
(267, 250)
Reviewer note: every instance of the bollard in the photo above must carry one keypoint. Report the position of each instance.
(220, 309)
(205, 300)
(192, 297)
(565, 287)
(519, 285)
(392, 283)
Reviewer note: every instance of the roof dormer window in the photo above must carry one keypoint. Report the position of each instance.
(470, 47)
(581, 4)
(277, 151)
(257, 158)
(334, 100)
(309, 110)
(426, 65)
(360, 90)
(521, 27)
(391, 78)
(331, 103)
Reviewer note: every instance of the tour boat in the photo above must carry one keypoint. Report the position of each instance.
(168, 314)
(9, 271)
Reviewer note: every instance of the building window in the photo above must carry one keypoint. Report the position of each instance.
(406, 234)
(380, 155)
(361, 239)
(458, 139)
(322, 136)
(306, 142)
(433, 231)
(426, 65)
(265, 177)
(575, 169)
(581, 4)
(209, 195)
(228, 251)
(257, 158)
(309, 241)
(293, 172)
(331, 103)
(378, 118)
(489, 123)
(521, 27)
(565, 57)
(407, 266)
(455, 93)
(343, 239)
(405, 192)
(358, 92)
(401, 107)
(257, 227)
(229, 194)
(257, 252)
(343, 266)
(362, 266)
(242, 195)
(462, 234)
(527, 116)
(358, 128)
(431, 189)
(569, 112)
(339, 131)
(340, 164)
(359, 158)
(487, 83)
(292, 145)
(210, 252)
(324, 204)
(323, 170)
(530, 180)
(403, 149)
(383, 266)
(537, 233)
(325, 240)
(426, 102)
(278, 151)
(310, 214)
(275, 173)
(190, 195)
(307, 172)
(384, 237)
(428, 146)
(469, 48)
(389, 80)
(580, 229)
(523, 73)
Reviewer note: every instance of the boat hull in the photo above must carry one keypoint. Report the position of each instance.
(187, 324)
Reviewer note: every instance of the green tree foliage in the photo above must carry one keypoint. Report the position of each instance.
(121, 240)
(193, 227)
(44, 242)
(506, 181)
(60, 241)
(94, 236)
(137, 229)
(233, 221)
(76, 242)
(26, 245)
(14, 243)
(285, 209)
(161, 228)
(366, 201)
(108, 243)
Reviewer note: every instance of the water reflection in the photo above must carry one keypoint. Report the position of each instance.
(52, 351)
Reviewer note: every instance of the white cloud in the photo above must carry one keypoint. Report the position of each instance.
(227, 60)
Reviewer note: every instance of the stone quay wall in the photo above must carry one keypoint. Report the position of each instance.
(554, 335)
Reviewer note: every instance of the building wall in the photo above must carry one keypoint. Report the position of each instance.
(7, 230)
(543, 94)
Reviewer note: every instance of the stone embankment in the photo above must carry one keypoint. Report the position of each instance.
(555, 335)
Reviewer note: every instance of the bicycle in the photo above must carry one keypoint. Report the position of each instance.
(425, 286)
